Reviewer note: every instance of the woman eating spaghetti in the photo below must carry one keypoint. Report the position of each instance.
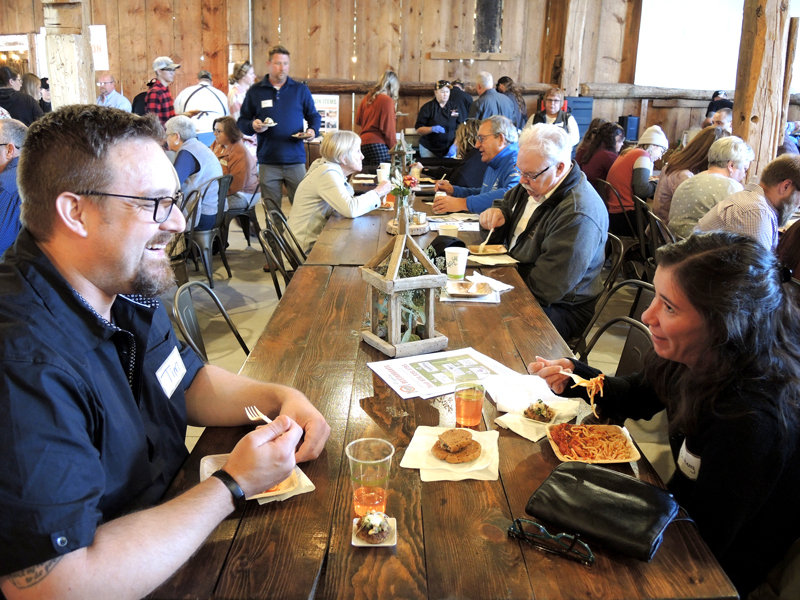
(726, 366)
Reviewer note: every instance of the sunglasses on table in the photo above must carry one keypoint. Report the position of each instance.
(562, 544)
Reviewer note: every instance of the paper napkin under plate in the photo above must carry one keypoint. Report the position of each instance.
(213, 462)
(418, 455)
(497, 286)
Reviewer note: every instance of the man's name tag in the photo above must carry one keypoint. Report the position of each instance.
(223, 162)
(688, 463)
(266, 104)
(171, 373)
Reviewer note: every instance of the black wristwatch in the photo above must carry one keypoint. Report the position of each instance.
(230, 483)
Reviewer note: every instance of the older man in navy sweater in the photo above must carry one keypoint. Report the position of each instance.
(274, 109)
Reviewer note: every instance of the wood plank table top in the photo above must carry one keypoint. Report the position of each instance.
(452, 540)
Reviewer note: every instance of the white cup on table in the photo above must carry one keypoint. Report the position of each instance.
(456, 261)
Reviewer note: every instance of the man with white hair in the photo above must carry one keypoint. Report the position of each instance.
(556, 225)
(490, 102)
(497, 143)
(728, 161)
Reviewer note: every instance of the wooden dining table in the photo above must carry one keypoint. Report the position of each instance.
(452, 537)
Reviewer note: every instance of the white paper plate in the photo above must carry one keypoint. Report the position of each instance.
(390, 541)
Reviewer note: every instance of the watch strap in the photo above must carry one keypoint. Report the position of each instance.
(230, 483)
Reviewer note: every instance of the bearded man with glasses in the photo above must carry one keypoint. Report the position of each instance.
(95, 388)
(556, 225)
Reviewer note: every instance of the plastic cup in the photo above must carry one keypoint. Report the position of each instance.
(456, 261)
(469, 395)
(370, 466)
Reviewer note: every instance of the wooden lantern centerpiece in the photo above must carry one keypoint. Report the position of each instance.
(386, 290)
(402, 155)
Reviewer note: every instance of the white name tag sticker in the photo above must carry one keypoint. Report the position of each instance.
(223, 162)
(171, 373)
(688, 463)
(266, 104)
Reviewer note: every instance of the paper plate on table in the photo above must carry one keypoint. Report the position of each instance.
(466, 289)
(632, 455)
(213, 462)
(488, 250)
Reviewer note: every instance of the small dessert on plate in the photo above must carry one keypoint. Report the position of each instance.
(374, 527)
(456, 446)
(539, 411)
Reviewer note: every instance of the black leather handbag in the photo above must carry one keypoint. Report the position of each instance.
(616, 510)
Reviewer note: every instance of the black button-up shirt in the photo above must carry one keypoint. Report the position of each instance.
(448, 116)
(87, 432)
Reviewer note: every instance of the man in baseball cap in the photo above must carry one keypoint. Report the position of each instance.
(159, 99)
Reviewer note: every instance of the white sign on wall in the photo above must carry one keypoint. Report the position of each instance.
(328, 109)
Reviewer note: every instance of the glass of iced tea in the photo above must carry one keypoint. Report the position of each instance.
(469, 396)
(370, 466)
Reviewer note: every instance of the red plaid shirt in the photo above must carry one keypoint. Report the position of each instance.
(159, 102)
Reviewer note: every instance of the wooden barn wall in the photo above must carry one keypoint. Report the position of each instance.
(359, 40)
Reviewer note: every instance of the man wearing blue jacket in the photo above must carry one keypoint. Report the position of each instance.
(497, 143)
(274, 109)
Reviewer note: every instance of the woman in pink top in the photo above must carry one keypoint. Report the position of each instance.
(689, 161)
(377, 117)
(601, 152)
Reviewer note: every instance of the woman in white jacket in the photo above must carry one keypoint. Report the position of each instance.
(325, 189)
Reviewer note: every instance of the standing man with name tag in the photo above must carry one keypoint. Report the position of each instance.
(274, 109)
(96, 390)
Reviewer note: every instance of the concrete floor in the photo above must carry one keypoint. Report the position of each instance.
(250, 298)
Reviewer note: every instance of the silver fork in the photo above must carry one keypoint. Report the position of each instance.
(256, 415)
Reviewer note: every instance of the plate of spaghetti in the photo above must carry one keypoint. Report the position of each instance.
(592, 443)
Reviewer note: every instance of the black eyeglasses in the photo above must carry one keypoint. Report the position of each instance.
(530, 177)
(563, 544)
(162, 205)
(7, 143)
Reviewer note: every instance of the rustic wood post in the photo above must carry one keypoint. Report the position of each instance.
(757, 107)
(573, 47)
(69, 52)
(791, 49)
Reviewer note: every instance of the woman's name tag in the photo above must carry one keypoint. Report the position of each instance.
(688, 463)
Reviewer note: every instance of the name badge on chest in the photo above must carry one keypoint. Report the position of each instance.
(171, 372)
(266, 104)
(453, 113)
(688, 463)
(223, 162)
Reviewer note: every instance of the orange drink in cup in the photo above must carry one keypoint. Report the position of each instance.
(370, 466)
(469, 395)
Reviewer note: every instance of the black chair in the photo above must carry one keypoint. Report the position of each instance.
(281, 227)
(203, 241)
(645, 292)
(646, 247)
(246, 216)
(186, 317)
(631, 244)
(637, 343)
(614, 253)
(660, 234)
(269, 240)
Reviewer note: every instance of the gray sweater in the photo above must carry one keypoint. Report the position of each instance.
(562, 249)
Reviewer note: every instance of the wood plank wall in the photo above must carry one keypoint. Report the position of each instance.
(360, 39)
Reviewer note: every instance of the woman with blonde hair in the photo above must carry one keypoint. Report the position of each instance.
(31, 85)
(325, 188)
(377, 117)
(242, 77)
(470, 172)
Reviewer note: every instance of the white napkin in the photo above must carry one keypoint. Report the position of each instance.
(497, 259)
(304, 487)
(497, 286)
(418, 455)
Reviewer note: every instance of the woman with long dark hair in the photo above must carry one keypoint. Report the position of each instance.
(377, 117)
(726, 366)
(685, 163)
(591, 132)
(505, 85)
(601, 152)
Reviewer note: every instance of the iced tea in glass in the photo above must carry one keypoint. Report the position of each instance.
(370, 466)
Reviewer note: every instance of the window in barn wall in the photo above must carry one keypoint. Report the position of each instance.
(674, 33)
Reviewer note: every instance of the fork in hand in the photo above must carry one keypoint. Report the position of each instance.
(256, 415)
